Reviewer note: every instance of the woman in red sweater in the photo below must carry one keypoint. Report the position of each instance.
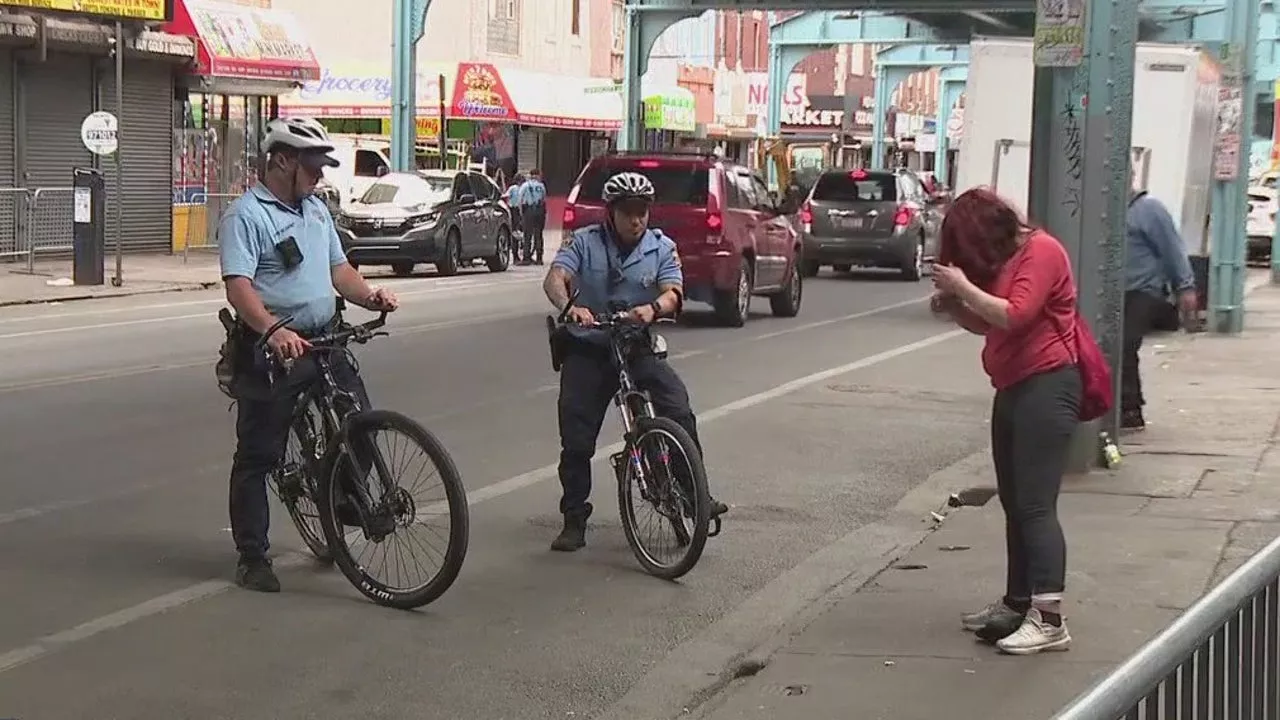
(1011, 283)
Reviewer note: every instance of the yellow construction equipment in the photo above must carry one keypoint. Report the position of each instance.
(796, 162)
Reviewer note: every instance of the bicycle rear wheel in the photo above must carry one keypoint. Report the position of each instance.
(294, 479)
(369, 517)
(663, 473)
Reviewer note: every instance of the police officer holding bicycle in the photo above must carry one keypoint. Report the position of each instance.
(280, 257)
(620, 265)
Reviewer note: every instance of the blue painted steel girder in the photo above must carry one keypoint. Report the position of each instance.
(830, 28)
(889, 6)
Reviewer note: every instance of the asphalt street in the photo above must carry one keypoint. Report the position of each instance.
(117, 444)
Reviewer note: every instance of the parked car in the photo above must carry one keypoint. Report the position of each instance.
(870, 218)
(1260, 225)
(433, 216)
(733, 236)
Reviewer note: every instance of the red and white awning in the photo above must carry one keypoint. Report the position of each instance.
(485, 92)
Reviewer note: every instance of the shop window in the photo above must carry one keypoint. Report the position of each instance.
(619, 14)
(504, 27)
(575, 17)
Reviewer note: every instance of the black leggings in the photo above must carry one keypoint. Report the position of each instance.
(1032, 423)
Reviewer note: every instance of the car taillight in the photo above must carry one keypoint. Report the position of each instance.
(902, 218)
(806, 213)
(569, 217)
(715, 223)
(648, 164)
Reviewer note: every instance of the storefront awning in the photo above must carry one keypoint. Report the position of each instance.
(239, 41)
(485, 92)
(363, 90)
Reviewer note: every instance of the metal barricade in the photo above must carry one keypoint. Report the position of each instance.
(49, 222)
(202, 222)
(13, 213)
(1219, 660)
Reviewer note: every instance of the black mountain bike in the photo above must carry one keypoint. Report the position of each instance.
(660, 468)
(339, 480)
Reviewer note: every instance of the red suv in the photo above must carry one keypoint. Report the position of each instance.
(734, 240)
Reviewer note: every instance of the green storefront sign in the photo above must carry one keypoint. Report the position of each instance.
(670, 110)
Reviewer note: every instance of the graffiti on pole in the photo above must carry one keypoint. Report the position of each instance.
(1059, 37)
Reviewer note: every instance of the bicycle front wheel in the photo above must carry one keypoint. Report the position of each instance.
(381, 505)
(664, 480)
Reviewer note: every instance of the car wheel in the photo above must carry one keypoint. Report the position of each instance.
(842, 268)
(734, 306)
(451, 257)
(913, 270)
(501, 259)
(809, 268)
(402, 269)
(787, 303)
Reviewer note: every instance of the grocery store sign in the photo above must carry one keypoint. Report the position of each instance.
(152, 10)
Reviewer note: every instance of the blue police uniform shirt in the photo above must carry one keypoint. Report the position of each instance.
(589, 254)
(247, 238)
(532, 193)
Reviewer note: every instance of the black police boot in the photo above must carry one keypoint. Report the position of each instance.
(256, 574)
(718, 508)
(574, 535)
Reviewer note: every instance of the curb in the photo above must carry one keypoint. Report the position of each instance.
(689, 679)
(186, 287)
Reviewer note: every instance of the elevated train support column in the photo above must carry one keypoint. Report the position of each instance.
(1229, 206)
(643, 26)
(951, 83)
(1079, 183)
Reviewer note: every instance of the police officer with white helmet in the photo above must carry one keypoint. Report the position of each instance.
(622, 264)
(280, 257)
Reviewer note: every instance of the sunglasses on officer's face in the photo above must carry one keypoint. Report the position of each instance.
(633, 209)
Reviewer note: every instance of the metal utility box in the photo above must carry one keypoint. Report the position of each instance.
(89, 225)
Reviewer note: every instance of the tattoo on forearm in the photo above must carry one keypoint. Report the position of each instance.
(556, 286)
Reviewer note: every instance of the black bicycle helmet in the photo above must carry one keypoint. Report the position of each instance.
(627, 186)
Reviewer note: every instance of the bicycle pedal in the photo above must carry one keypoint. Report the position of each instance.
(714, 529)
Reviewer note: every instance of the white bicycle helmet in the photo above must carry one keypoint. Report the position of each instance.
(297, 133)
(627, 186)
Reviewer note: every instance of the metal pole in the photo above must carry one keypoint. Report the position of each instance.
(444, 126)
(1228, 250)
(118, 280)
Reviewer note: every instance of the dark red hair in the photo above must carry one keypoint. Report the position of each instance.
(979, 234)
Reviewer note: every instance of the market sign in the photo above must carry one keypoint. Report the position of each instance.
(480, 93)
(806, 116)
(151, 10)
(671, 110)
(363, 90)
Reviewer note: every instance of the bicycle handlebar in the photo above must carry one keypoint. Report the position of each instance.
(355, 333)
(603, 321)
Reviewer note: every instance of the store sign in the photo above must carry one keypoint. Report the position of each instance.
(428, 128)
(806, 116)
(357, 90)
(480, 93)
(794, 95)
(154, 10)
(252, 42)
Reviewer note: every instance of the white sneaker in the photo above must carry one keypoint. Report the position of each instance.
(1035, 636)
(991, 614)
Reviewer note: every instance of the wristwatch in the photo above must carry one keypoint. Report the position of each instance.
(657, 309)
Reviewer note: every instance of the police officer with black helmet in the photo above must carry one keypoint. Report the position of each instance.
(621, 264)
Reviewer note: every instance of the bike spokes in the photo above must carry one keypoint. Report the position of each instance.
(395, 507)
(660, 502)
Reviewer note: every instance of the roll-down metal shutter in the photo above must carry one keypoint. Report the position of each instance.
(10, 199)
(56, 96)
(146, 147)
(528, 150)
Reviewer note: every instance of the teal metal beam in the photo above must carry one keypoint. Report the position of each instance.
(1229, 206)
(643, 26)
(893, 65)
(408, 23)
(831, 28)
(1079, 180)
(892, 6)
(951, 82)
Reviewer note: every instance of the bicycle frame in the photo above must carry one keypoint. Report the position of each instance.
(628, 393)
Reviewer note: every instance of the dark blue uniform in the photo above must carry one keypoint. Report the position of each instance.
(610, 280)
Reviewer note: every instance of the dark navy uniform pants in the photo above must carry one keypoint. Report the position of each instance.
(262, 433)
(588, 382)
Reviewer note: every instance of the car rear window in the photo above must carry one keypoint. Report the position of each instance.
(849, 187)
(674, 184)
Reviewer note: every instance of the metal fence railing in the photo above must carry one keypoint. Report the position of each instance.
(13, 212)
(49, 222)
(202, 222)
(1220, 660)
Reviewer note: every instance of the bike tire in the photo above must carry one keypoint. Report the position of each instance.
(702, 498)
(456, 499)
(311, 531)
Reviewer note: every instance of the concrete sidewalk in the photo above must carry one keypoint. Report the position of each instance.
(1196, 494)
(142, 274)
